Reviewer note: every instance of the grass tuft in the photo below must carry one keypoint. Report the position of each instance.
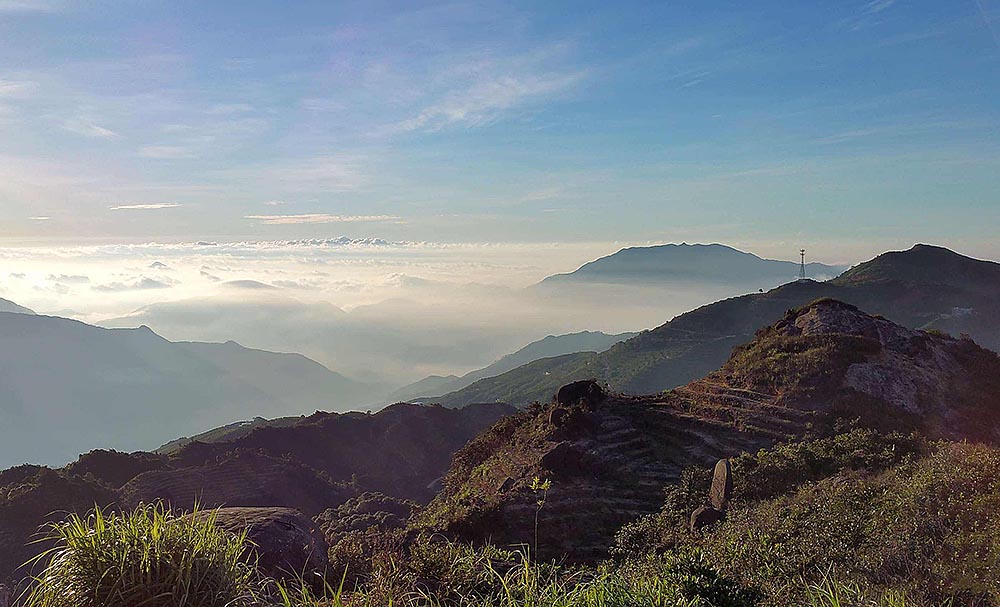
(145, 558)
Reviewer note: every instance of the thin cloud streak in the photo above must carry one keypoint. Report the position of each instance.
(145, 207)
(321, 218)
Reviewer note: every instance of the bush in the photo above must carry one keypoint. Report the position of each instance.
(147, 557)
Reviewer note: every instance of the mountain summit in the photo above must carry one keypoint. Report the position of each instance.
(673, 263)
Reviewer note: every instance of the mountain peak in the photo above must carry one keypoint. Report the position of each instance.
(924, 264)
(699, 263)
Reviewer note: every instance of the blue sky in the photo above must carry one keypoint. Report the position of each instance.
(848, 127)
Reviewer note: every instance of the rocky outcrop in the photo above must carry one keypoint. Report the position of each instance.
(798, 376)
(287, 544)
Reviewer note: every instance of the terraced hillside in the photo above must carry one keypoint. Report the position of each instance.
(923, 287)
(820, 367)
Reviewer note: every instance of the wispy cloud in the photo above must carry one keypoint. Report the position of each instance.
(321, 218)
(88, 128)
(40, 218)
(988, 22)
(327, 173)
(877, 6)
(28, 6)
(16, 88)
(77, 279)
(145, 207)
(485, 100)
(139, 284)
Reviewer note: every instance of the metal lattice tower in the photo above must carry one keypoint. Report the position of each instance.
(802, 264)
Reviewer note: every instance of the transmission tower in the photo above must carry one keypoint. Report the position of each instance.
(802, 264)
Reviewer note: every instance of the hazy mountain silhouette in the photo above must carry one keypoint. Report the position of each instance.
(553, 345)
(923, 287)
(9, 306)
(694, 263)
(67, 387)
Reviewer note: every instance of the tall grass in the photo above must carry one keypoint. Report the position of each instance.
(145, 558)
(829, 592)
(530, 584)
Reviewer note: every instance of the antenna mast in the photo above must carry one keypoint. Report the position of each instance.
(802, 264)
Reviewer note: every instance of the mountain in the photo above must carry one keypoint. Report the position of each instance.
(923, 287)
(820, 367)
(553, 345)
(688, 263)
(310, 463)
(9, 306)
(66, 387)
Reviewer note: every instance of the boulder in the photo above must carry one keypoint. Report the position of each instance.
(587, 391)
(287, 543)
(705, 516)
(722, 485)
(564, 459)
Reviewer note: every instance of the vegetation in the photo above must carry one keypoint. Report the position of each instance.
(859, 519)
(147, 557)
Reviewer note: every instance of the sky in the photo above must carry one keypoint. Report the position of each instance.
(365, 154)
(848, 126)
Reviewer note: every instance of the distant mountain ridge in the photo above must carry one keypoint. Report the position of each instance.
(8, 306)
(923, 287)
(553, 345)
(688, 263)
(67, 387)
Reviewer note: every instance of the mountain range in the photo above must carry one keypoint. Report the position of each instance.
(924, 287)
(67, 387)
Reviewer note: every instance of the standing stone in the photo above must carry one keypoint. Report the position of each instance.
(722, 485)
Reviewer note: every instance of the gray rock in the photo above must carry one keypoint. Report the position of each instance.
(287, 543)
(705, 516)
(722, 485)
(587, 391)
(564, 459)
(557, 416)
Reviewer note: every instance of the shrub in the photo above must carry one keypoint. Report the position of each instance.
(147, 557)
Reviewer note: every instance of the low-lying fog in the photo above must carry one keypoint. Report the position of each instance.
(384, 312)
